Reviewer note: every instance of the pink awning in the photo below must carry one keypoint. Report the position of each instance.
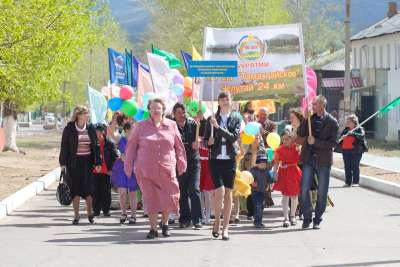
(339, 82)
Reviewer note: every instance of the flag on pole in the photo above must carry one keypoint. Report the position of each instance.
(135, 69)
(160, 72)
(390, 106)
(128, 63)
(195, 54)
(172, 60)
(186, 59)
(117, 67)
(144, 84)
(98, 105)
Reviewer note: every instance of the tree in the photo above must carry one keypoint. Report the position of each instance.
(40, 43)
(177, 24)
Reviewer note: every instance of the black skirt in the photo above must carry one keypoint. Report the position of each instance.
(80, 177)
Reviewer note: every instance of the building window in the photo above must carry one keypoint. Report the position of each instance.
(388, 57)
(381, 56)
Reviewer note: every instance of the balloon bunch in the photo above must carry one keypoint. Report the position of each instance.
(249, 134)
(193, 108)
(124, 101)
(181, 85)
(273, 141)
(243, 180)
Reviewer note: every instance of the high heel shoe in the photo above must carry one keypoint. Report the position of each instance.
(214, 233)
(225, 235)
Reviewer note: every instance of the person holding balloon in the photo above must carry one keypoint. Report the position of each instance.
(288, 182)
(222, 134)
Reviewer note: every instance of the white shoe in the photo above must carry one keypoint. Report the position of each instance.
(286, 223)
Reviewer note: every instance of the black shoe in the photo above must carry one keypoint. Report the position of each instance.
(305, 225)
(236, 221)
(198, 226)
(123, 218)
(152, 234)
(96, 213)
(250, 218)
(106, 214)
(132, 220)
(212, 217)
(91, 218)
(230, 221)
(316, 226)
(145, 216)
(75, 221)
(171, 221)
(214, 233)
(165, 231)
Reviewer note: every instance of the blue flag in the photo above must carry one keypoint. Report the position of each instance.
(186, 59)
(97, 105)
(117, 67)
(135, 68)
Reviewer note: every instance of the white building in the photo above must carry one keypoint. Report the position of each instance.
(376, 57)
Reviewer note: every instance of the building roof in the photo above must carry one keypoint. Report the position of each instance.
(339, 83)
(386, 26)
(329, 61)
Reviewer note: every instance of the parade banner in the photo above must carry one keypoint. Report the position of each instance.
(117, 66)
(270, 61)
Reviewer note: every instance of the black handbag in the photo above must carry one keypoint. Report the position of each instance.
(63, 193)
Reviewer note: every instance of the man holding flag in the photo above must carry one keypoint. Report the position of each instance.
(316, 156)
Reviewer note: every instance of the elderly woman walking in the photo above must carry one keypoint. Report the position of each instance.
(156, 147)
(78, 155)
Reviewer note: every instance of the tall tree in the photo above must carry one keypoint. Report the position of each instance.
(40, 43)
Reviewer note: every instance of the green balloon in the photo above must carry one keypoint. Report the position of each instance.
(146, 115)
(129, 108)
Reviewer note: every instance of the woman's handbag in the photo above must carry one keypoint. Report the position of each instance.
(63, 193)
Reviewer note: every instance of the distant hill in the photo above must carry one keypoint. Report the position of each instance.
(134, 18)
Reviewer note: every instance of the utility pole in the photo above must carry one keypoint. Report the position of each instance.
(347, 72)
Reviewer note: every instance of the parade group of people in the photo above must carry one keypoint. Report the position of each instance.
(187, 166)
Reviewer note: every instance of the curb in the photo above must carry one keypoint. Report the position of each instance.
(10, 203)
(379, 185)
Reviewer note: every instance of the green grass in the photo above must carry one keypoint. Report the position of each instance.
(383, 148)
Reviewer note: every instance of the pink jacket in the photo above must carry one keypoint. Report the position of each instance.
(155, 150)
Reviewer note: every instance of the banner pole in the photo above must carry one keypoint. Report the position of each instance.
(212, 105)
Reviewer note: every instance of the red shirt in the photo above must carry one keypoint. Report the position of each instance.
(348, 142)
(103, 163)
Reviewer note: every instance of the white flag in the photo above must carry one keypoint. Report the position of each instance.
(161, 74)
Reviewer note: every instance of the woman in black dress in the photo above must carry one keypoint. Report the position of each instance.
(79, 154)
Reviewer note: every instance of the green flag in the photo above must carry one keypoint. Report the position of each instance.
(173, 61)
(390, 106)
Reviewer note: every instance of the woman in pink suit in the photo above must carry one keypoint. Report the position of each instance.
(156, 148)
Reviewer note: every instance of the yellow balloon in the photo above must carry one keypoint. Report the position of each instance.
(247, 139)
(273, 140)
(247, 177)
(241, 189)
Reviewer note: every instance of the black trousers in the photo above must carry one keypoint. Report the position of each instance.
(189, 186)
(102, 193)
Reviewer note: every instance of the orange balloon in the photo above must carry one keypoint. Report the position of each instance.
(188, 92)
(247, 139)
(187, 82)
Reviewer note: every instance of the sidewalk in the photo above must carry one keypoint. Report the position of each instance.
(386, 163)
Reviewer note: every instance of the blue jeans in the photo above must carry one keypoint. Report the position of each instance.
(323, 175)
(258, 202)
(351, 161)
(189, 186)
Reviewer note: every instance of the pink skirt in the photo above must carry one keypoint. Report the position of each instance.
(160, 193)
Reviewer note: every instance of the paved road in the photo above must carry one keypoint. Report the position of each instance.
(363, 229)
(385, 163)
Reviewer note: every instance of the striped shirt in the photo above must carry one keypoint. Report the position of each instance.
(83, 142)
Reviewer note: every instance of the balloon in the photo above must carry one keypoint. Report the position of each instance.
(126, 92)
(247, 139)
(177, 89)
(139, 115)
(252, 128)
(270, 154)
(186, 100)
(247, 177)
(146, 98)
(178, 79)
(129, 108)
(273, 140)
(193, 108)
(241, 188)
(115, 90)
(187, 92)
(115, 103)
(146, 115)
(311, 78)
(187, 82)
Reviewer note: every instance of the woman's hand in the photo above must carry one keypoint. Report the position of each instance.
(211, 141)
(98, 169)
(214, 122)
(196, 145)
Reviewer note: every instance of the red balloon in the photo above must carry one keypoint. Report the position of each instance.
(188, 92)
(126, 92)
